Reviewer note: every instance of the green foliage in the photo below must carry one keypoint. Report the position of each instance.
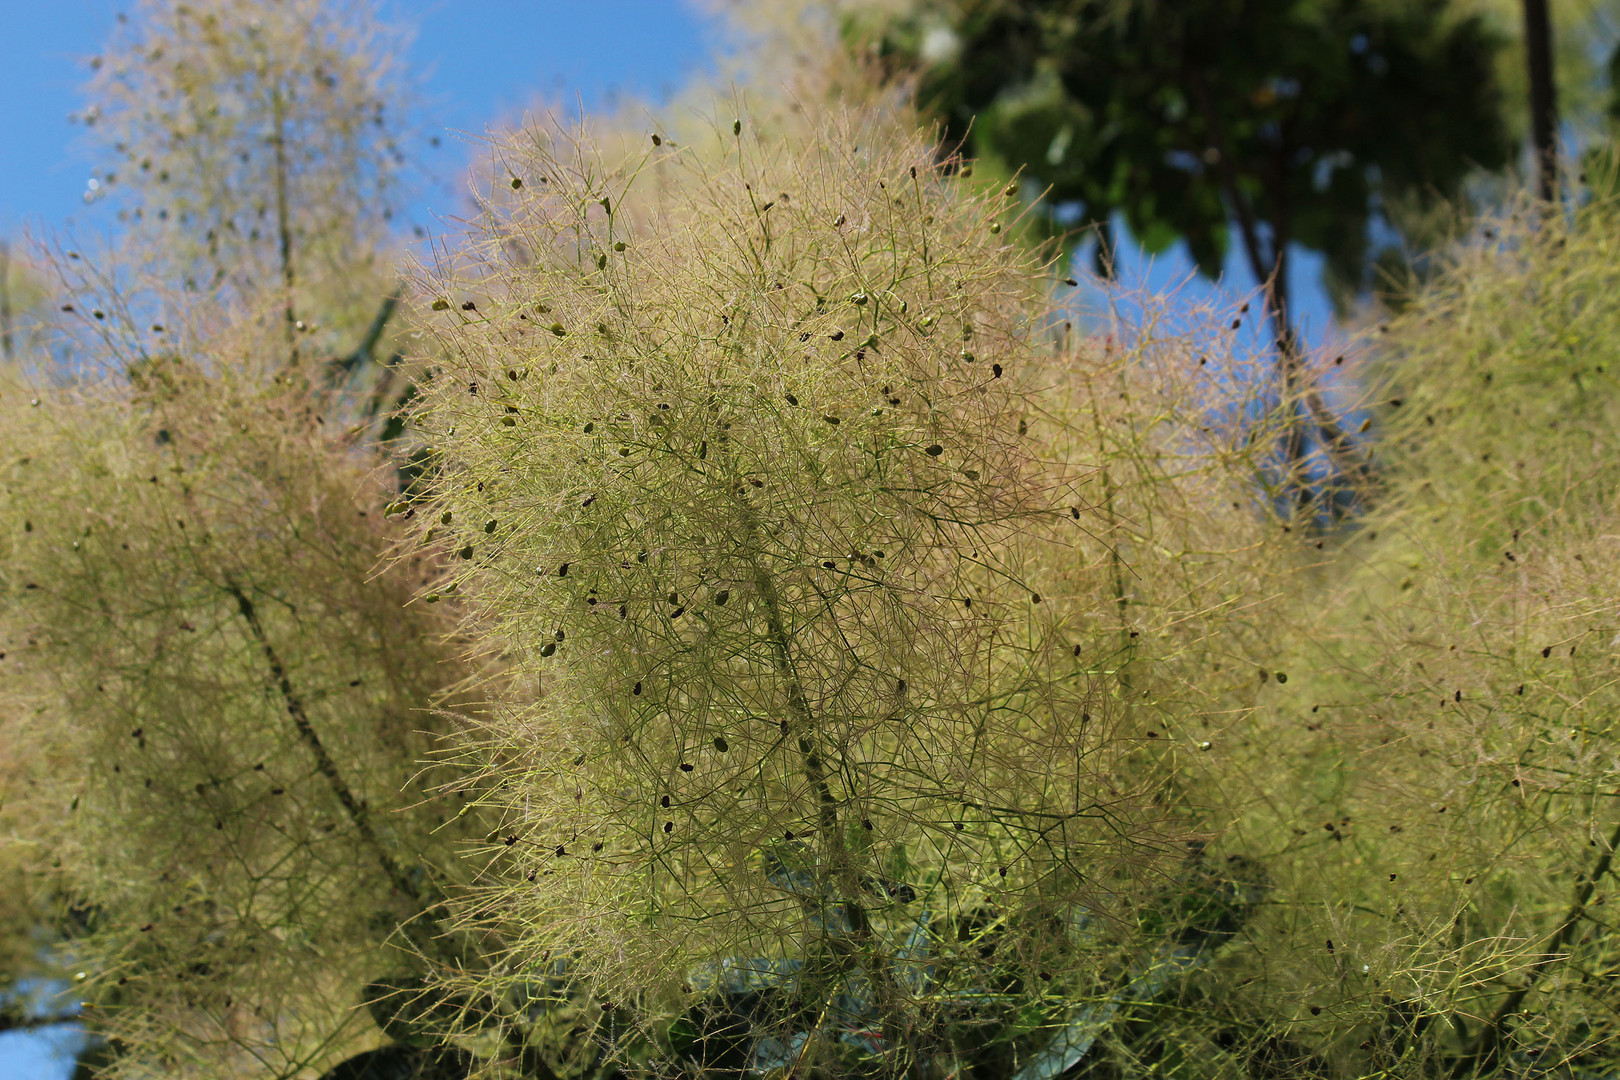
(1323, 113)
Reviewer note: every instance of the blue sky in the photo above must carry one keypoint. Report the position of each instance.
(482, 60)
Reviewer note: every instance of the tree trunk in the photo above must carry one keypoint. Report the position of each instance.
(1543, 96)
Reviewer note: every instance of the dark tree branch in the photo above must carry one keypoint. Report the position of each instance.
(5, 300)
(1543, 96)
(368, 344)
(284, 225)
(11, 1020)
(358, 814)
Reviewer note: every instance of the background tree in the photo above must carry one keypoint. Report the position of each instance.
(1538, 54)
(1292, 123)
(1284, 122)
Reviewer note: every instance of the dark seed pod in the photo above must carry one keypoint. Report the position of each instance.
(548, 648)
(686, 766)
(516, 183)
(720, 744)
(935, 450)
(466, 552)
(721, 597)
(489, 526)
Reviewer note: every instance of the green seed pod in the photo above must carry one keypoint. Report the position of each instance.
(601, 261)
(466, 552)
(446, 518)
(441, 305)
(489, 526)
(548, 648)
(516, 183)
(995, 227)
(557, 328)
(619, 245)
(736, 127)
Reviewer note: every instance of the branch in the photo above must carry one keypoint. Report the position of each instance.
(1487, 1053)
(357, 812)
(16, 1021)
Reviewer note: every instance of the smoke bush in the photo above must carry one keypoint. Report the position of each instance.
(219, 710)
(762, 470)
